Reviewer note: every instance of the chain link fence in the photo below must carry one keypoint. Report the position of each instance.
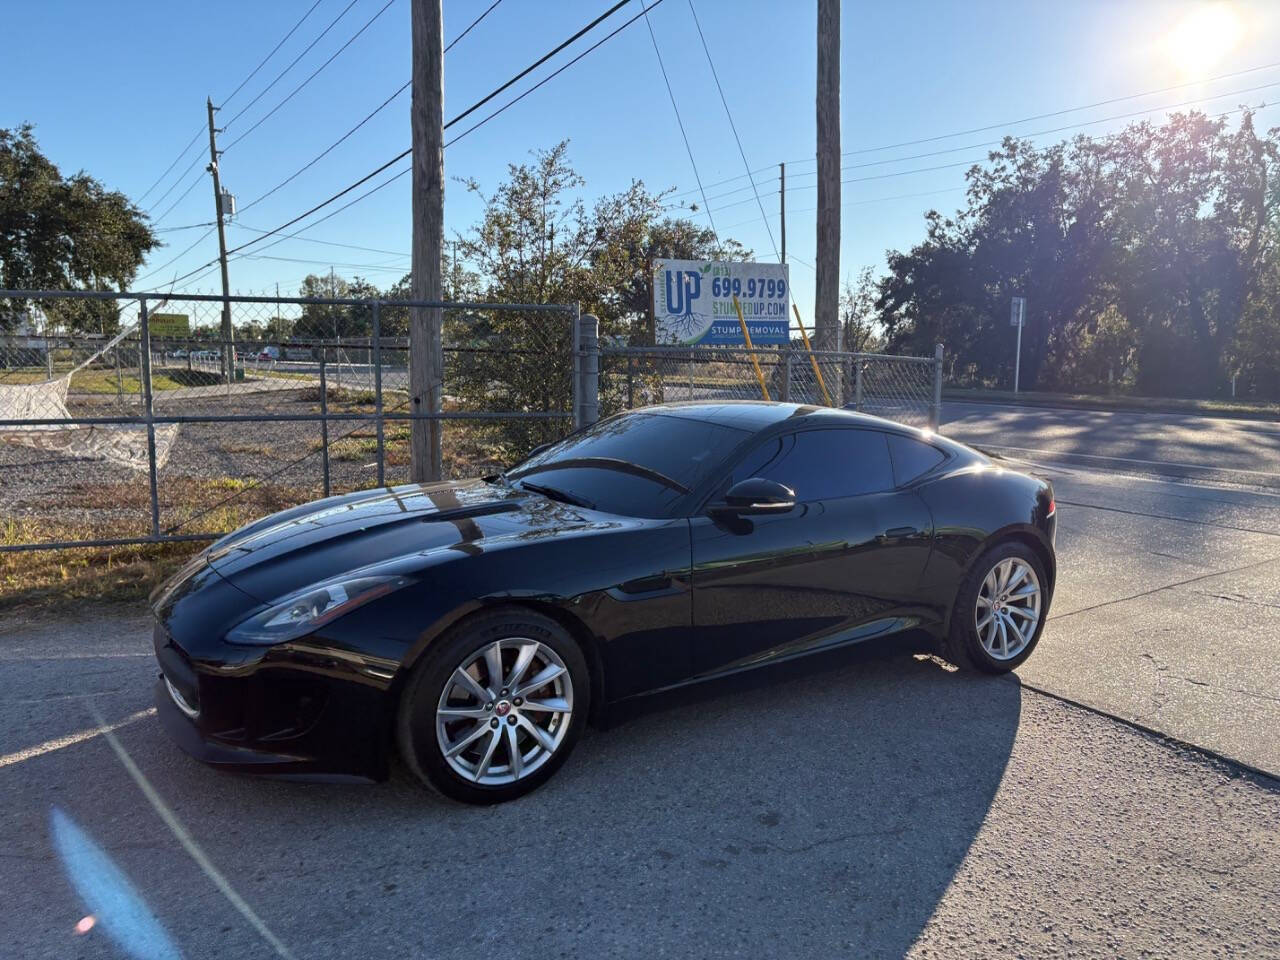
(158, 427)
(167, 430)
(901, 388)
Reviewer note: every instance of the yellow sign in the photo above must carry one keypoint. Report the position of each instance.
(169, 324)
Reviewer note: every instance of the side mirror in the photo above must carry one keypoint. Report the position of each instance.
(756, 495)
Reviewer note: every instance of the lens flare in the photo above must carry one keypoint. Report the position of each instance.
(1204, 38)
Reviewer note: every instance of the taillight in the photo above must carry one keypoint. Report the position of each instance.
(1053, 507)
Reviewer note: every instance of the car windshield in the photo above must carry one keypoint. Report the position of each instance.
(637, 464)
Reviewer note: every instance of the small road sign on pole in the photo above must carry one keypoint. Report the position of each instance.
(1017, 317)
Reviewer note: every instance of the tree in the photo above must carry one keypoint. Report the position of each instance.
(64, 233)
(539, 242)
(1139, 253)
(859, 324)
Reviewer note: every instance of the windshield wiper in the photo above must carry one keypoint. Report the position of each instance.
(570, 498)
(610, 463)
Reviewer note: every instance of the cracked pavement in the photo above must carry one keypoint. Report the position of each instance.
(884, 808)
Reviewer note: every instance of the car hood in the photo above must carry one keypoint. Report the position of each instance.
(290, 550)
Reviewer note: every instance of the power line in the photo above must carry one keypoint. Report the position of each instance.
(732, 126)
(400, 156)
(168, 263)
(331, 263)
(326, 151)
(201, 129)
(160, 199)
(688, 149)
(1027, 136)
(254, 71)
(376, 110)
(194, 183)
(539, 62)
(472, 24)
(298, 89)
(182, 153)
(293, 63)
(1058, 113)
(1133, 96)
(327, 243)
(551, 76)
(189, 226)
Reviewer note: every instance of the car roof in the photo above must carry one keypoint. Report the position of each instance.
(757, 415)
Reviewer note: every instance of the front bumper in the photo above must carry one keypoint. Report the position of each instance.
(239, 709)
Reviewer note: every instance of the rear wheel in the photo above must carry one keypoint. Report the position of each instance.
(999, 610)
(495, 709)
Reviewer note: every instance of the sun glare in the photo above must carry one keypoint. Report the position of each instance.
(1204, 38)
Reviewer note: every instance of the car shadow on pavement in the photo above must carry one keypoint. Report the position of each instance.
(823, 815)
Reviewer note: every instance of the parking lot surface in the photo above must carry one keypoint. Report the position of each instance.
(884, 808)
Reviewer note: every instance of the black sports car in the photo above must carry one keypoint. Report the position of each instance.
(479, 624)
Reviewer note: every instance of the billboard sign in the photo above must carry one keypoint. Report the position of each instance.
(693, 302)
(169, 324)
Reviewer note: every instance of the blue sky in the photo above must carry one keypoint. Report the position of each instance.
(118, 89)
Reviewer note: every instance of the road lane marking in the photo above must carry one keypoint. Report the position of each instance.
(188, 842)
(71, 739)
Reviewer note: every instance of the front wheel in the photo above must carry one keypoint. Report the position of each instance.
(1000, 610)
(495, 710)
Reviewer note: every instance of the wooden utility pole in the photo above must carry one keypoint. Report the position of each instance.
(426, 358)
(228, 335)
(782, 206)
(827, 287)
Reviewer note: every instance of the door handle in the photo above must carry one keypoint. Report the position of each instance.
(898, 533)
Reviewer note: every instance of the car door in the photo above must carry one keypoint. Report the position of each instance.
(844, 564)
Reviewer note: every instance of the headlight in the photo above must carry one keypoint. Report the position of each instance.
(304, 611)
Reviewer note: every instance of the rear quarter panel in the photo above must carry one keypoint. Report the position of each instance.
(973, 508)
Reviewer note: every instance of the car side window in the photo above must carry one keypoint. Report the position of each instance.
(822, 464)
(912, 458)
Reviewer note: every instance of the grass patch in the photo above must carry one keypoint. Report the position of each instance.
(44, 580)
(104, 381)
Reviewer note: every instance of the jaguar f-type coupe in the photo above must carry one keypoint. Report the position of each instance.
(476, 626)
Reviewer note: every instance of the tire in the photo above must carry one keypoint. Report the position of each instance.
(481, 770)
(989, 646)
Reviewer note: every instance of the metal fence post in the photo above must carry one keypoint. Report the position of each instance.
(586, 387)
(858, 364)
(786, 376)
(145, 362)
(324, 420)
(575, 387)
(935, 409)
(377, 390)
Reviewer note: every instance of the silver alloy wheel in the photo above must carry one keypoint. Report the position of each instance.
(1008, 608)
(504, 711)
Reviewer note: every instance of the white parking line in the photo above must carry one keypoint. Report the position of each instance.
(185, 838)
(57, 743)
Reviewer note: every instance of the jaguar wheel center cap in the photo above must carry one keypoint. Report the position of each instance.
(503, 708)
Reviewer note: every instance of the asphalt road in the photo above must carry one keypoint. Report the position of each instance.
(886, 809)
(883, 809)
(1176, 445)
